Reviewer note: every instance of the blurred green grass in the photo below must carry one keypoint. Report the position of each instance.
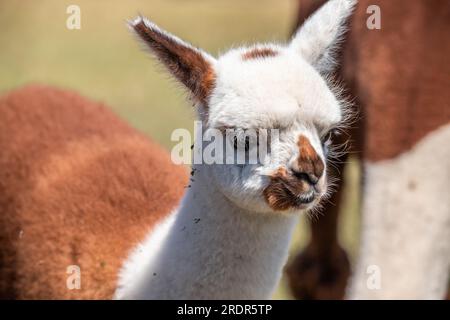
(103, 61)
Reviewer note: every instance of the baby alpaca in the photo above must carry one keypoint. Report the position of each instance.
(229, 236)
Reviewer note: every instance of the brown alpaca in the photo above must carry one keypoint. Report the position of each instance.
(400, 76)
(59, 203)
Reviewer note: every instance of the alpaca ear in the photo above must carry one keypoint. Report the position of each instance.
(317, 38)
(191, 66)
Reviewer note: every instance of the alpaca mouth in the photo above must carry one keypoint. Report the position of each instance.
(304, 199)
(283, 196)
(300, 196)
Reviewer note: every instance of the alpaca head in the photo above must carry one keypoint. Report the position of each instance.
(266, 86)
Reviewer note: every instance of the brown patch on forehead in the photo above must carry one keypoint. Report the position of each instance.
(309, 161)
(259, 53)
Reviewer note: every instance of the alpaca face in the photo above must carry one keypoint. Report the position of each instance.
(283, 92)
(266, 87)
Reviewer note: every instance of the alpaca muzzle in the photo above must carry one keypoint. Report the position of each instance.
(288, 190)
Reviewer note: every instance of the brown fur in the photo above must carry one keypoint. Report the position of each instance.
(400, 76)
(400, 73)
(283, 186)
(185, 63)
(78, 186)
(304, 9)
(321, 270)
(309, 161)
(278, 195)
(259, 53)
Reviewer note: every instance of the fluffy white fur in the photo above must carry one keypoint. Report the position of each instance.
(210, 249)
(406, 223)
(313, 40)
(225, 241)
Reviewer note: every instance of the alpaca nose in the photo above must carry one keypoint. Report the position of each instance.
(309, 177)
(308, 166)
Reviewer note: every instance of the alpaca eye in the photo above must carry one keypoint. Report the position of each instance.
(235, 143)
(327, 140)
(246, 145)
(328, 137)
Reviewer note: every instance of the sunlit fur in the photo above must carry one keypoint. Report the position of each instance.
(225, 241)
(284, 92)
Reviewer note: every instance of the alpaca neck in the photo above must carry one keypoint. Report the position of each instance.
(211, 249)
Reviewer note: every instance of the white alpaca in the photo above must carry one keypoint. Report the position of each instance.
(229, 238)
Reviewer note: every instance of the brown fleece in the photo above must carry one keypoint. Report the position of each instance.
(400, 73)
(304, 10)
(259, 53)
(185, 63)
(399, 76)
(78, 186)
(276, 194)
(309, 161)
(281, 192)
(321, 269)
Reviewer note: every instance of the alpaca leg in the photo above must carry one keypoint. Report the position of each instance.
(405, 240)
(321, 270)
